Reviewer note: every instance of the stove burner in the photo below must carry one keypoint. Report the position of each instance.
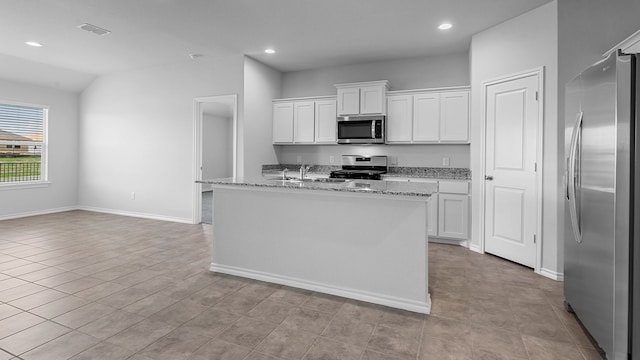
(361, 167)
(357, 174)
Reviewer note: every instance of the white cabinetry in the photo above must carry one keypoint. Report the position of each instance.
(283, 123)
(453, 210)
(362, 98)
(348, 101)
(454, 116)
(303, 122)
(307, 121)
(448, 209)
(325, 121)
(428, 117)
(399, 116)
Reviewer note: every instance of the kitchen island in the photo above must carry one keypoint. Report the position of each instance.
(360, 239)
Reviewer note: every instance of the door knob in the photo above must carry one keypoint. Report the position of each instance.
(488, 177)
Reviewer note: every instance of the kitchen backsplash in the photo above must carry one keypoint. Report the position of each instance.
(399, 171)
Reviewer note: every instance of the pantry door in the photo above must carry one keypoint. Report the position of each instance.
(513, 116)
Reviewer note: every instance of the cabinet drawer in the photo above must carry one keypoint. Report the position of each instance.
(453, 187)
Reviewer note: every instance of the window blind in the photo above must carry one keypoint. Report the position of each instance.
(22, 137)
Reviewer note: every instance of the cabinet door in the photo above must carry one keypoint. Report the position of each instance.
(326, 121)
(426, 117)
(453, 216)
(399, 115)
(372, 99)
(283, 123)
(348, 101)
(303, 122)
(454, 116)
(432, 215)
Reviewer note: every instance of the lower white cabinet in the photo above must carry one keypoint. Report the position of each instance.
(448, 209)
(453, 216)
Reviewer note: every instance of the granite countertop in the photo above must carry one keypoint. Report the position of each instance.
(358, 186)
(394, 171)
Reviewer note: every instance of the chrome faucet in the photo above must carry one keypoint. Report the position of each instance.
(303, 171)
(284, 173)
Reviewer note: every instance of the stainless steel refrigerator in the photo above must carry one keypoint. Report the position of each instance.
(602, 203)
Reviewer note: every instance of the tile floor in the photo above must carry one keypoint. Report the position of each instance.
(81, 285)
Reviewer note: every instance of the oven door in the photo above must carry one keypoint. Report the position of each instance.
(361, 131)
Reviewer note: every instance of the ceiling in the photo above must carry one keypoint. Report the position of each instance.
(306, 34)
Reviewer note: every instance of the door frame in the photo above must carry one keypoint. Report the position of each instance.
(539, 73)
(197, 146)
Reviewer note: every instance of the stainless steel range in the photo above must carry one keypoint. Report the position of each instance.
(361, 167)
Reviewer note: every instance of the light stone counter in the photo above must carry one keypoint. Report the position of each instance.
(354, 186)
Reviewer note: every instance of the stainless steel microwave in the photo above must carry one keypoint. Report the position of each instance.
(361, 129)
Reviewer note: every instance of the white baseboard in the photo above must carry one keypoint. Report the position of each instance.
(38, 212)
(463, 243)
(394, 302)
(476, 248)
(552, 274)
(136, 214)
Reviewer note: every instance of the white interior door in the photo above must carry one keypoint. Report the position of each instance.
(512, 115)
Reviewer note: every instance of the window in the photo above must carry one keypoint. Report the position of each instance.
(22, 143)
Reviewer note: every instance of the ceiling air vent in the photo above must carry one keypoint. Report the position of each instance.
(94, 29)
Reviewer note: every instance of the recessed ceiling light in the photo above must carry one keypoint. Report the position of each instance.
(33, 43)
(445, 26)
(195, 56)
(270, 51)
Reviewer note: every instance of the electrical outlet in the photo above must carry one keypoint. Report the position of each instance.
(393, 160)
(332, 159)
(445, 161)
(133, 195)
(299, 159)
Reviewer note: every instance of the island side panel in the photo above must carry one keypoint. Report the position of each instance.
(363, 246)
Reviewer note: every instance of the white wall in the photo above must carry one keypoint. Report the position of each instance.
(261, 85)
(406, 155)
(520, 44)
(404, 74)
(217, 147)
(136, 135)
(63, 157)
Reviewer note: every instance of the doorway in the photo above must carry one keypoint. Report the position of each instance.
(215, 149)
(512, 167)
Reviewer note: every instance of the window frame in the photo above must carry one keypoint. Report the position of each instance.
(44, 152)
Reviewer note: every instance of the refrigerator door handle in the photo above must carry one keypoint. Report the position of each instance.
(573, 177)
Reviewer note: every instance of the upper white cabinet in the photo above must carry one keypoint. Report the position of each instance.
(399, 118)
(348, 101)
(362, 98)
(283, 123)
(325, 122)
(305, 121)
(454, 116)
(428, 117)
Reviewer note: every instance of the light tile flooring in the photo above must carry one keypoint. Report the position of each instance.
(82, 285)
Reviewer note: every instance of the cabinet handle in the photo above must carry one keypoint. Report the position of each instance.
(488, 177)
